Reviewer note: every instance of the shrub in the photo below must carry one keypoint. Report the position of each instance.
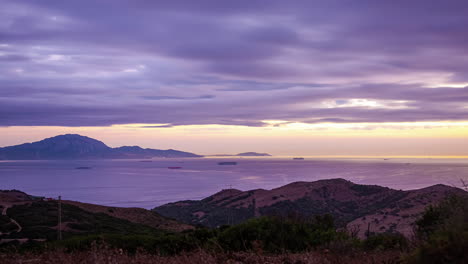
(443, 233)
(277, 234)
(385, 241)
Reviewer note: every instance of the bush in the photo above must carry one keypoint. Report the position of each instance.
(276, 234)
(162, 244)
(443, 233)
(385, 241)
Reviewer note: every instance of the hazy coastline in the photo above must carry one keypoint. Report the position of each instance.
(131, 183)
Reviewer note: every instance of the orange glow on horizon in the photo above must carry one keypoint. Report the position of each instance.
(277, 137)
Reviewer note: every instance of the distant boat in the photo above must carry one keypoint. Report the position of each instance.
(227, 163)
(174, 168)
(146, 161)
(83, 168)
(300, 158)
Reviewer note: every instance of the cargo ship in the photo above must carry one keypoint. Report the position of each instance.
(227, 163)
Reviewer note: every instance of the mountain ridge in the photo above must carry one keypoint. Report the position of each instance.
(353, 205)
(74, 146)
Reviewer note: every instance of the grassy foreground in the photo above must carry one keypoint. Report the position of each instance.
(441, 236)
(116, 256)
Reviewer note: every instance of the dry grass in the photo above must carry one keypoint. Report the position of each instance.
(115, 256)
(134, 215)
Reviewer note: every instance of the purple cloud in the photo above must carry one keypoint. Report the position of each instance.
(98, 63)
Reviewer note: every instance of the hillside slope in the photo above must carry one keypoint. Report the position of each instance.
(351, 205)
(28, 217)
(134, 215)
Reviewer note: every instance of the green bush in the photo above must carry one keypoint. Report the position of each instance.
(163, 243)
(270, 234)
(276, 234)
(443, 233)
(385, 241)
(39, 220)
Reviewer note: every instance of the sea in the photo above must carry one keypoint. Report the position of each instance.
(150, 183)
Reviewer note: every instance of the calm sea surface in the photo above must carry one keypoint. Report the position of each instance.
(134, 183)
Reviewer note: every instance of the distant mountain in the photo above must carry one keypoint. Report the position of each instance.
(138, 152)
(72, 146)
(243, 154)
(352, 205)
(253, 154)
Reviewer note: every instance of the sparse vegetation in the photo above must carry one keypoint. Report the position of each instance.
(265, 235)
(39, 221)
(318, 200)
(441, 237)
(105, 255)
(276, 234)
(443, 233)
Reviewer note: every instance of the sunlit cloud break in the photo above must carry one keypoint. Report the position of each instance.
(310, 65)
(68, 65)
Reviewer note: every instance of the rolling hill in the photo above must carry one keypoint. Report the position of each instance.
(26, 217)
(355, 206)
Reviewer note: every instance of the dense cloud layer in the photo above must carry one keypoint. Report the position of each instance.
(95, 63)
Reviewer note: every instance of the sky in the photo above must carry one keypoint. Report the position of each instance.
(285, 77)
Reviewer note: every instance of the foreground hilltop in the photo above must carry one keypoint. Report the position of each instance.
(358, 207)
(24, 217)
(92, 233)
(73, 146)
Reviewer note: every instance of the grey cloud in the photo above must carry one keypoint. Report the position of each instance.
(229, 62)
(13, 58)
(177, 97)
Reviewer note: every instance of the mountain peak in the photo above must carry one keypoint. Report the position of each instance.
(72, 135)
(75, 137)
(224, 194)
(74, 146)
(67, 136)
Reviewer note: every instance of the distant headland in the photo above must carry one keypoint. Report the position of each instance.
(73, 146)
(243, 154)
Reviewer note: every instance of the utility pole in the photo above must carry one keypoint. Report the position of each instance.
(368, 230)
(230, 216)
(254, 205)
(59, 218)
